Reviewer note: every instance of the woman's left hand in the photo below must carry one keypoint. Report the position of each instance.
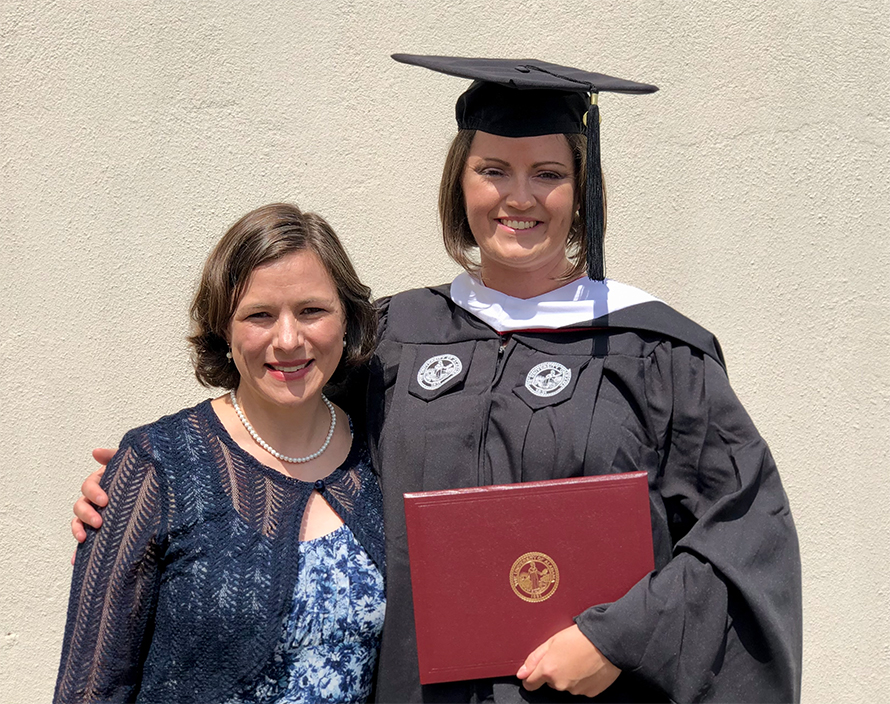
(568, 662)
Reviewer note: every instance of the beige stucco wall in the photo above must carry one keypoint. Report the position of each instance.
(751, 192)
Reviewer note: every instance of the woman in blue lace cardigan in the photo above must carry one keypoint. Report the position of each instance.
(241, 555)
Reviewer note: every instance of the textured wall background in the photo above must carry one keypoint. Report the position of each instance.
(751, 193)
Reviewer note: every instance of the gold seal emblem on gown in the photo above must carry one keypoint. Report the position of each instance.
(534, 577)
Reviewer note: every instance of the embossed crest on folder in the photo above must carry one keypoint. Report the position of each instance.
(534, 577)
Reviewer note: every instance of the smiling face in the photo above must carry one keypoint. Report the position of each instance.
(520, 200)
(286, 333)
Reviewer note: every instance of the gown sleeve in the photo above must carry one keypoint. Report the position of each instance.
(114, 586)
(721, 620)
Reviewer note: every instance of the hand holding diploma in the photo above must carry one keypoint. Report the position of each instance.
(568, 662)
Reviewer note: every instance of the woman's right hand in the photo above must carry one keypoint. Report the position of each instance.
(84, 511)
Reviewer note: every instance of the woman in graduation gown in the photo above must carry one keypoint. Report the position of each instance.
(525, 369)
(545, 373)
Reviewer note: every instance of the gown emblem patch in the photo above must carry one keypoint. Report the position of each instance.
(438, 370)
(548, 379)
(534, 577)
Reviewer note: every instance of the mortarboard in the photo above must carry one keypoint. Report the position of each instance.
(528, 98)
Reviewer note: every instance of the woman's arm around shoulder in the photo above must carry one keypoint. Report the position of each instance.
(92, 497)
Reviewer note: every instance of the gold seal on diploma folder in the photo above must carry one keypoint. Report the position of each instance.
(534, 577)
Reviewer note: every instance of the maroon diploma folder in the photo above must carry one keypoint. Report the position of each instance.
(497, 570)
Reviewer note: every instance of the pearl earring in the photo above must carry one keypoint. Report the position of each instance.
(229, 355)
(344, 340)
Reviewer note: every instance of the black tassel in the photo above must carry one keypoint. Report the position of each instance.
(593, 204)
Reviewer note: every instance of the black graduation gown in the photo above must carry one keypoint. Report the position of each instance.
(720, 617)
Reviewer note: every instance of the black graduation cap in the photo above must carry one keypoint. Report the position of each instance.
(527, 98)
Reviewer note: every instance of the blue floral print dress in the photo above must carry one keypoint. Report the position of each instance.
(328, 651)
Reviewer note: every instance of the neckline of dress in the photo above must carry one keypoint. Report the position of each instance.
(329, 537)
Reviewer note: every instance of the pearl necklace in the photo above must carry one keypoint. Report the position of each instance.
(268, 448)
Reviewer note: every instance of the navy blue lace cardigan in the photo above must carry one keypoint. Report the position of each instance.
(180, 597)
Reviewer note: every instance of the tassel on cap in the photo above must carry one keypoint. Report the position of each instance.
(593, 199)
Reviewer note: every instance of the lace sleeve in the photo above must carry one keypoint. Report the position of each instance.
(114, 587)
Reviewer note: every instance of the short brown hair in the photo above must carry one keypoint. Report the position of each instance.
(456, 231)
(263, 235)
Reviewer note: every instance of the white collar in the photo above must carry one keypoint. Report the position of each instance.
(580, 301)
